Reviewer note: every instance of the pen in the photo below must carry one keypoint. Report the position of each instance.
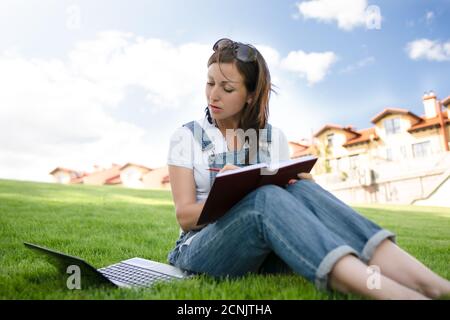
(213, 169)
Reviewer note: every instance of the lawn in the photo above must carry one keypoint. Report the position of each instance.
(104, 225)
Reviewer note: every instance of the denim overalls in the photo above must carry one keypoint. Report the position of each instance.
(219, 160)
(301, 228)
(238, 158)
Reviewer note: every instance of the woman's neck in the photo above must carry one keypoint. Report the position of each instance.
(227, 124)
(233, 140)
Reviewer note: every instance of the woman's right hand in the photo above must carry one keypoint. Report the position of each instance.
(228, 167)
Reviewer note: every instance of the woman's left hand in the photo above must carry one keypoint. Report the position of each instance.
(302, 175)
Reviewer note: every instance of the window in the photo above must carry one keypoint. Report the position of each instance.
(421, 149)
(330, 138)
(392, 126)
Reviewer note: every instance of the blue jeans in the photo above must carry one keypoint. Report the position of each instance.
(301, 228)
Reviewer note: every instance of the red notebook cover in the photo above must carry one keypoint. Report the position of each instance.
(230, 187)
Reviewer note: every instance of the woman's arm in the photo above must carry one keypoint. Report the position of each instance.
(183, 194)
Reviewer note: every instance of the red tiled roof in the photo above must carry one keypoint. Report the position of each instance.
(430, 122)
(75, 176)
(101, 176)
(301, 153)
(364, 137)
(388, 111)
(299, 149)
(295, 144)
(78, 178)
(114, 180)
(446, 101)
(347, 129)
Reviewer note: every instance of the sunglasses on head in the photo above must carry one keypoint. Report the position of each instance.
(242, 52)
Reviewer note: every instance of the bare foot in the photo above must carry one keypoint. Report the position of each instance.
(442, 292)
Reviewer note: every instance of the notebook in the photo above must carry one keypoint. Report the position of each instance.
(231, 186)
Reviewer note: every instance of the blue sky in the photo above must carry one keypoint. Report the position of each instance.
(79, 86)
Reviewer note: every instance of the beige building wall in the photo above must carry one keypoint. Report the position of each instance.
(329, 154)
(432, 135)
(448, 135)
(386, 170)
(62, 177)
(340, 158)
(390, 147)
(153, 179)
(98, 178)
(440, 196)
(394, 146)
(132, 176)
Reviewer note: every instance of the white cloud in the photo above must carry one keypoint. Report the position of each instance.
(56, 112)
(271, 55)
(296, 111)
(64, 111)
(347, 13)
(314, 66)
(116, 60)
(429, 50)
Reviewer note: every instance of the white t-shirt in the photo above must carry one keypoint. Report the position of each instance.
(185, 151)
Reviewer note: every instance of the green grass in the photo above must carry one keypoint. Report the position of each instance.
(104, 225)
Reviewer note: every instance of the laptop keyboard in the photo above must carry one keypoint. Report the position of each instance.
(133, 275)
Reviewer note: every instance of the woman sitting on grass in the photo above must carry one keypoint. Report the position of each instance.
(301, 228)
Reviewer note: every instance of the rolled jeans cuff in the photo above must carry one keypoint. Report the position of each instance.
(374, 242)
(328, 262)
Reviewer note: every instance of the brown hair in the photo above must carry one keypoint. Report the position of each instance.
(257, 81)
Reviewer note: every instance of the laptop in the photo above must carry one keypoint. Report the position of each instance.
(134, 272)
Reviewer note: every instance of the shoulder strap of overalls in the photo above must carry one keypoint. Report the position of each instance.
(265, 139)
(205, 142)
(199, 135)
(268, 136)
